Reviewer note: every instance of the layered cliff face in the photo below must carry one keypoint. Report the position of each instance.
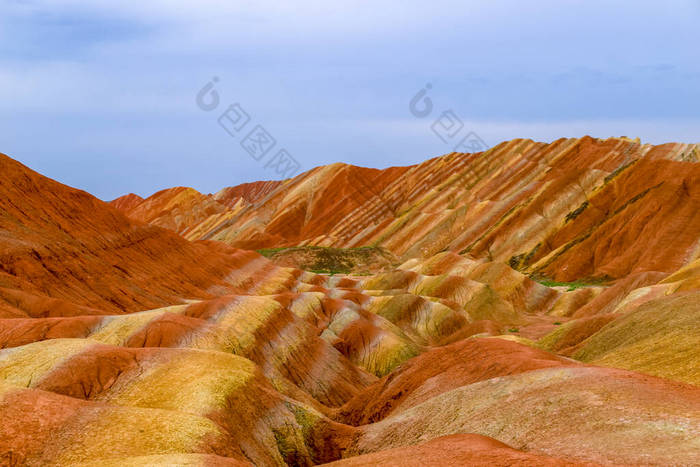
(249, 192)
(123, 343)
(570, 210)
(64, 251)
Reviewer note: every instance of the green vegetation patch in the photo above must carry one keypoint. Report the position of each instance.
(573, 285)
(523, 260)
(619, 170)
(575, 213)
(267, 252)
(331, 260)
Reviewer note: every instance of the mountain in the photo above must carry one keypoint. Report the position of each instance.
(571, 210)
(137, 332)
(64, 251)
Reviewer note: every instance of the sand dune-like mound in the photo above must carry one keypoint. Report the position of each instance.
(442, 369)
(463, 449)
(661, 337)
(586, 414)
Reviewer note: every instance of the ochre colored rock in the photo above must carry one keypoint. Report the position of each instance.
(539, 307)
(461, 449)
(572, 209)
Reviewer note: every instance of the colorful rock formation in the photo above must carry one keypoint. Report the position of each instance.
(545, 311)
(572, 209)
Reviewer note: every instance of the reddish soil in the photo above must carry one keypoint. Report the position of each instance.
(137, 332)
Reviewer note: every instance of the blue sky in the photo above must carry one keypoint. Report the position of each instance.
(101, 95)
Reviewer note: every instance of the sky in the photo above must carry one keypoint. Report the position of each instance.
(111, 97)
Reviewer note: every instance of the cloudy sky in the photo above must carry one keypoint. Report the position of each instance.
(102, 95)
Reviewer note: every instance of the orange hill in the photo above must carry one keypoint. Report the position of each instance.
(65, 244)
(573, 209)
(123, 343)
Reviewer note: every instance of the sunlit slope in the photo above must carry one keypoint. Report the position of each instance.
(653, 329)
(121, 343)
(286, 379)
(63, 251)
(569, 210)
(661, 337)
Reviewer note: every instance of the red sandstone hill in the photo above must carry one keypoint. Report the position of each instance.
(63, 249)
(127, 202)
(573, 209)
(122, 343)
(250, 192)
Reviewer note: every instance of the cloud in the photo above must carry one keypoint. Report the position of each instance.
(110, 86)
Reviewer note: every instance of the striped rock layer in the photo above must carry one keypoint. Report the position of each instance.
(571, 209)
(123, 343)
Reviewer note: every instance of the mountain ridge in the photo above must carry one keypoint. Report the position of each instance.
(479, 204)
(123, 343)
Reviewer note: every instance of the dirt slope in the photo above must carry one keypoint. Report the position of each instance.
(123, 343)
(62, 246)
(570, 210)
